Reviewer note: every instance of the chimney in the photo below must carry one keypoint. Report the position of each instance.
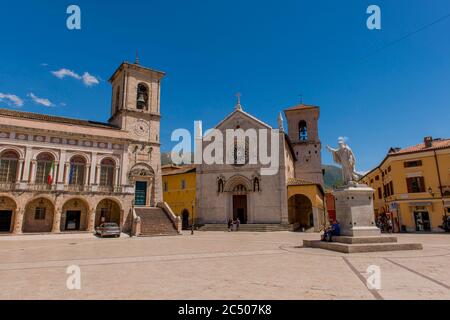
(428, 141)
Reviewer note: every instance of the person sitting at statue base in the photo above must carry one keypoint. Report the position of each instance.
(334, 230)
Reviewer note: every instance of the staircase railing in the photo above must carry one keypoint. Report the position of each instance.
(176, 220)
(136, 223)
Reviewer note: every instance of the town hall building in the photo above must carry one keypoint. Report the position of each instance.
(63, 175)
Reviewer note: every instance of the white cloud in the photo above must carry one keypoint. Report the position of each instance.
(44, 64)
(11, 99)
(89, 80)
(41, 101)
(62, 73)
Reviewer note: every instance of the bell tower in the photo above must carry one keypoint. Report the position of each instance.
(303, 132)
(135, 109)
(135, 103)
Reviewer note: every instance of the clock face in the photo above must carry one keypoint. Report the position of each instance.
(141, 127)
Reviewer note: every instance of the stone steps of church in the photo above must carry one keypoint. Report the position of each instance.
(155, 222)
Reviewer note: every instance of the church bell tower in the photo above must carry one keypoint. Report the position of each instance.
(303, 132)
(135, 109)
(135, 103)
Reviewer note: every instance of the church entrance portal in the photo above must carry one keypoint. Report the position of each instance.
(240, 208)
(140, 195)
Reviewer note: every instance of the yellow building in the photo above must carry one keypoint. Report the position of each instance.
(412, 185)
(179, 191)
(306, 201)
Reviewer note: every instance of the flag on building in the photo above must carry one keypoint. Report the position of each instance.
(50, 173)
(71, 172)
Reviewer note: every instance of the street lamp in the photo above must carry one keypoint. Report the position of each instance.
(444, 217)
(192, 217)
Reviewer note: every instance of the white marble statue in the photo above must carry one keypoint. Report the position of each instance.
(345, 157)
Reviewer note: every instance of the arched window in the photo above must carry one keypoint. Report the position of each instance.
(220, 185)
(302, 131)
(142, 97)
(8, 167)
(256, 184)
(77, 169)
(44, 168)
(107, 173)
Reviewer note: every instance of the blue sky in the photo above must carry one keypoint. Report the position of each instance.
(270, 51)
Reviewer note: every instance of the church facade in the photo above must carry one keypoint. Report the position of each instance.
(293, 197)
(61, 174)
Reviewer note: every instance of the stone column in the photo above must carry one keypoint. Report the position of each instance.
(19, 171)
(61, 171)
(124, 165)
(55, 173)
(33, 171)
(93, 166)
(117, 177)
(66, 174)
(97, 178)
(18, 221)
(27, 163)
(86, 175)
(91, 220)
(57, 221)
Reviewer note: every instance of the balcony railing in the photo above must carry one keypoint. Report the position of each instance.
(105, 188)
(5, 187)
(77, 188)
(8, 186)
(41, 187)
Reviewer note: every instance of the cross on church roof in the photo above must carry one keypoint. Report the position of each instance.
(137, 58)
(238, 101)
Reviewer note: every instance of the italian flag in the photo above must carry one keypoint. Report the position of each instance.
(50, 174)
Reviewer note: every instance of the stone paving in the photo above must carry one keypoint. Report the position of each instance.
(217, 265)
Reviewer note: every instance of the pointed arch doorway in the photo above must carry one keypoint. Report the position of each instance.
(240, 208)
(240, 203)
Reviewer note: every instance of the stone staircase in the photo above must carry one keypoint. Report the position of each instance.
(251, 227)
(155, 222)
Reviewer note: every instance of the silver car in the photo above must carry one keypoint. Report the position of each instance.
(108, 229)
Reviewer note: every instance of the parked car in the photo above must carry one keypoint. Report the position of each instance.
(108, 229)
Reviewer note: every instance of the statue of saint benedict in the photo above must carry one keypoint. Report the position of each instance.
(345, 157)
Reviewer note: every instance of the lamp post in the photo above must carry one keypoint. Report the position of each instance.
(444, 216)
(430, 191)
(192, 217)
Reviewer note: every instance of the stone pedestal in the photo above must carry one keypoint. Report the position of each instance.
(354, 211)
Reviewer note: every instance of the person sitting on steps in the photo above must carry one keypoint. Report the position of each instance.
(334, 230)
